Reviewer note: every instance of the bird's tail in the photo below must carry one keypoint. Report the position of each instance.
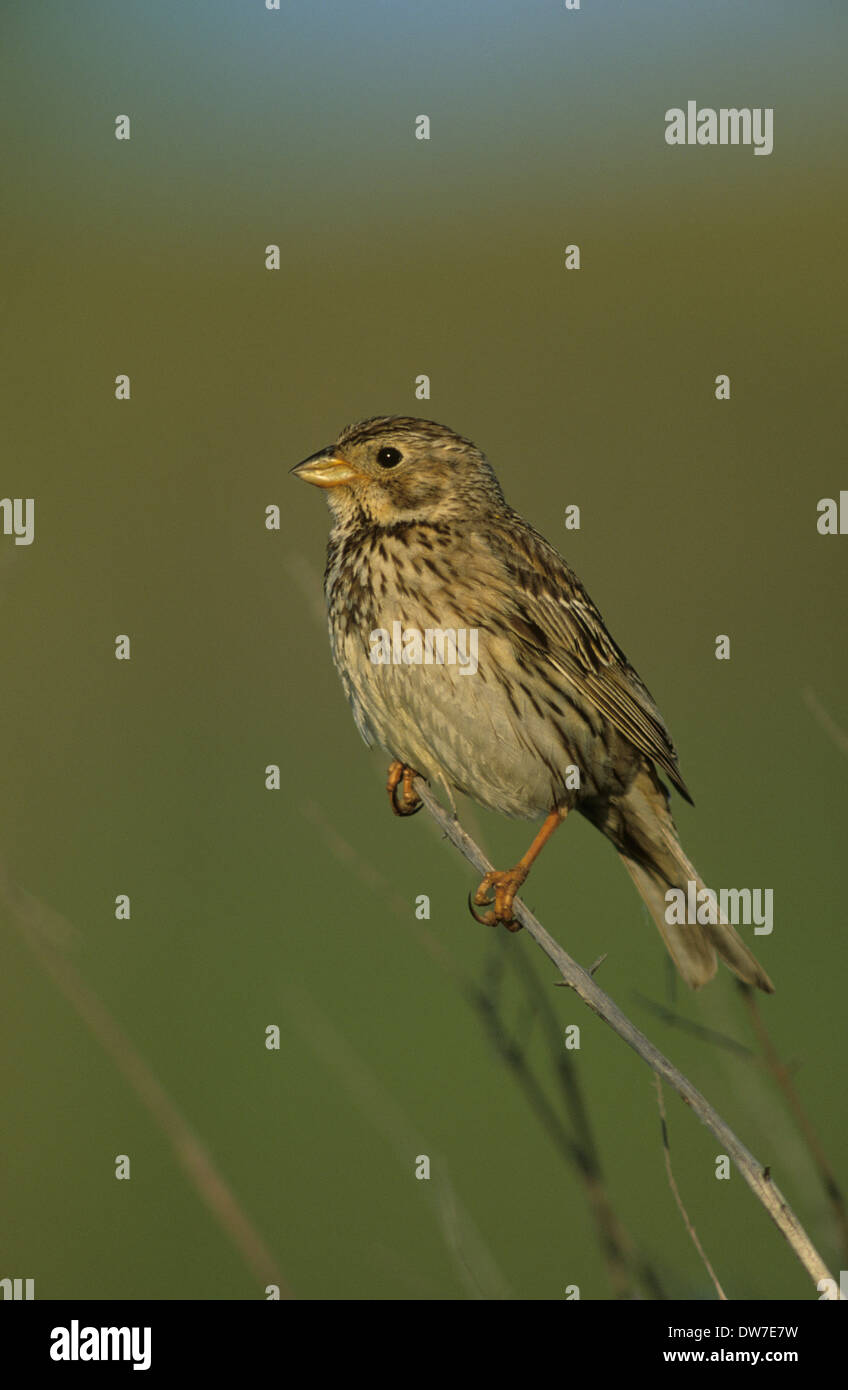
(692, 945)
(654, 858)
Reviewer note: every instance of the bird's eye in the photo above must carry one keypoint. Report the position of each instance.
(389, 457)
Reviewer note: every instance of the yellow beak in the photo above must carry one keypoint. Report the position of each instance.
(326, 469)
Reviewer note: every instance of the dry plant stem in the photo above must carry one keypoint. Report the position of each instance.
(755, 1175)
(627, 1267)
(676, 1194)
(577, 1151)
(781, 1074)
(625, 1264)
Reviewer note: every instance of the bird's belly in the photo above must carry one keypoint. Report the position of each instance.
(476, 723)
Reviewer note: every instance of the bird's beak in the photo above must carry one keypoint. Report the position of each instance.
(326, 469)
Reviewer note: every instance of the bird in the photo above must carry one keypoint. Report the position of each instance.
(549, 717)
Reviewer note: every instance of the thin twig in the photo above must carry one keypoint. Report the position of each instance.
(579, 1150)
(755, 1174)
(780, 1072)
(617, 1246)
(676, 1194)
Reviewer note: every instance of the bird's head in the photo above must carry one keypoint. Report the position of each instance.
(395, 468)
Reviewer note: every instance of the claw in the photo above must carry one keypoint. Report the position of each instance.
(488, 920)
(505, 885)
(482, 897)
(402, 808)
(409, 802)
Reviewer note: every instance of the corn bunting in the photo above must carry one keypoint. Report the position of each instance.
(473, 655)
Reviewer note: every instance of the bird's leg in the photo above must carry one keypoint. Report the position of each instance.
(506, 883)
(409, 801)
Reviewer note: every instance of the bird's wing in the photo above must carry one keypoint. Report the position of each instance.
(550, 612)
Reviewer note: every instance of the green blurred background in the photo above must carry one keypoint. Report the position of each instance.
(296, 908)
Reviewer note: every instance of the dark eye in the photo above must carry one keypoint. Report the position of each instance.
(389, 458)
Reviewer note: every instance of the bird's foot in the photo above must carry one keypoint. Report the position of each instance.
(506, 883)
(408, 801)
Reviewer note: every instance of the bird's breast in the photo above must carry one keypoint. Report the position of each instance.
(437, 677)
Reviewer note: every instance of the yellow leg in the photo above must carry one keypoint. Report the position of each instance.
(506, 883)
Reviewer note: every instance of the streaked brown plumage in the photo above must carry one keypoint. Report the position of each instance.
(422, 535)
